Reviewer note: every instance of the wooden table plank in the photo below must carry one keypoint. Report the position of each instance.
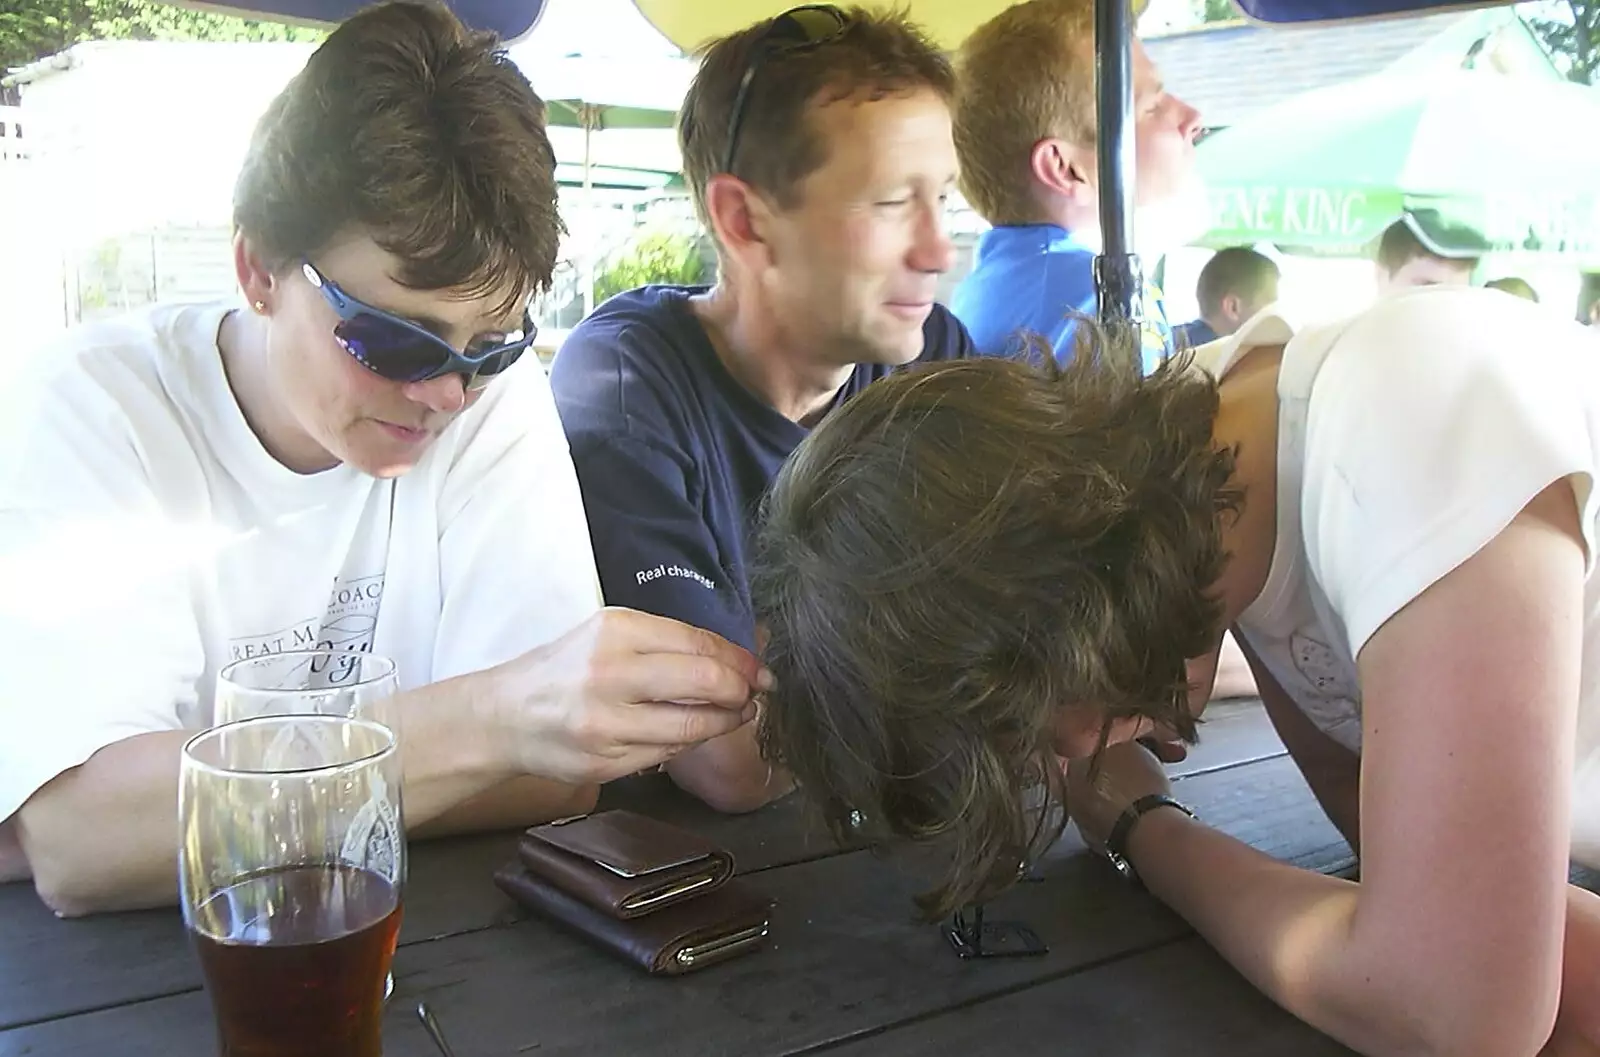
(105, 961)
(449, 891)
(847, 956)
(51, 968)
(1233, 732)
(1179, 998)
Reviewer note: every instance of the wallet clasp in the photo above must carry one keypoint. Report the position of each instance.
(651, 896)
(721, 946)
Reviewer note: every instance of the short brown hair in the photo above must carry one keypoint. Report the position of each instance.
(1025, 75)
(1399, 246)
(1238, 271)
(421, 133)
(878, 54)
(962, 551)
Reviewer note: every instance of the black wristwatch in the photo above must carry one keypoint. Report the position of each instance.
(1117, 840)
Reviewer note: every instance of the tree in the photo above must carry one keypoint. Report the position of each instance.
(33, 29)
(1571, 30)
(1215, 10)
(653, 257)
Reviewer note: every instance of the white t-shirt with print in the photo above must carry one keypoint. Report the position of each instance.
(147, 539)
(1408, 437)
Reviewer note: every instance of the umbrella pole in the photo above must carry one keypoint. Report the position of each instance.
(588, 204)
(1118, 277)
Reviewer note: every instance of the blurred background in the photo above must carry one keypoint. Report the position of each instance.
(123, 122)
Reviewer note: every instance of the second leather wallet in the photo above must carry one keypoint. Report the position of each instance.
(625, 864)
(670, 942)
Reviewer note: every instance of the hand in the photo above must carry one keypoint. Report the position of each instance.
(1121, 775)
(1167, 747)
(621, 692)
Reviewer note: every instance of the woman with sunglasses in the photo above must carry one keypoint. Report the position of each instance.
(359, 456)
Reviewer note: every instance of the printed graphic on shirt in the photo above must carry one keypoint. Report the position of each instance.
(348, 623)
(1334, 701)
(348, 619)
(644, 576)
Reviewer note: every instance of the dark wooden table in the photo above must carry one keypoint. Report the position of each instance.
(849, 970)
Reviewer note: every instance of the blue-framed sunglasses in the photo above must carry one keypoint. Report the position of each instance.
(401, 351)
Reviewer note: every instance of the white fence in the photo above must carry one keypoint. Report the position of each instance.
(32, 290)
(12, 145)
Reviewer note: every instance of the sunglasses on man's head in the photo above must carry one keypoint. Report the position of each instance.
(401, 351)
(798, 29)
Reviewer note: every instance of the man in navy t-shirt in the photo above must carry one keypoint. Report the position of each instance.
(823, 180)
(1025, 130)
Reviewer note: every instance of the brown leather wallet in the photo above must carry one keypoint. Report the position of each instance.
(625, 864)
(679, 939)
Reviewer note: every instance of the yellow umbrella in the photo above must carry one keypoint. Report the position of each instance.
(691, 23)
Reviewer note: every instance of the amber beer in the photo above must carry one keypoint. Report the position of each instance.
(295, 960)
(291, 865)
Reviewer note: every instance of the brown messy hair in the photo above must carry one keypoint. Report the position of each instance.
(962, 551)
(880, 53)
(1025, 75)
(408, 127)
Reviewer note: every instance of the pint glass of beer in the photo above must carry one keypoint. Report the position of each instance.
(291, 863)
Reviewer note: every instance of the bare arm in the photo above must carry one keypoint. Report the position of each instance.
(1332, 771)
(729, 774)
(515, 804)
(101, 835)
(591, 706)
(1577, 1031)
(13, 863)
(1453, 941)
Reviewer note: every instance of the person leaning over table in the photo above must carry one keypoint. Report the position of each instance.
(817, 147)
(360, 456)
(1397, 514)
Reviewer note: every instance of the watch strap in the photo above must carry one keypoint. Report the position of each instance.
(1122, 829)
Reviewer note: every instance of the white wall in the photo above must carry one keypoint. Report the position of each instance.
(32, 299)
(140, 134)
(131, 138)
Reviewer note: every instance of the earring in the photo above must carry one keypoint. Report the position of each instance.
(261, 306)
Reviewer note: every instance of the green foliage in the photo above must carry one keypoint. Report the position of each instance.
(660, 257)
(1571, 30)
(1215, 10)
(33, 29)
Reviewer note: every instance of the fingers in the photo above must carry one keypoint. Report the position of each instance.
(659, 730)
(644, 633)
(1166, 751)
(673, 677)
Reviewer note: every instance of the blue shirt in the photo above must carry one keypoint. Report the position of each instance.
(1193, 335)
(674, 455)
(1038, 278)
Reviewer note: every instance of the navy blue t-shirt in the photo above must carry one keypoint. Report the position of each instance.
(1193, 335)
(674, 455)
